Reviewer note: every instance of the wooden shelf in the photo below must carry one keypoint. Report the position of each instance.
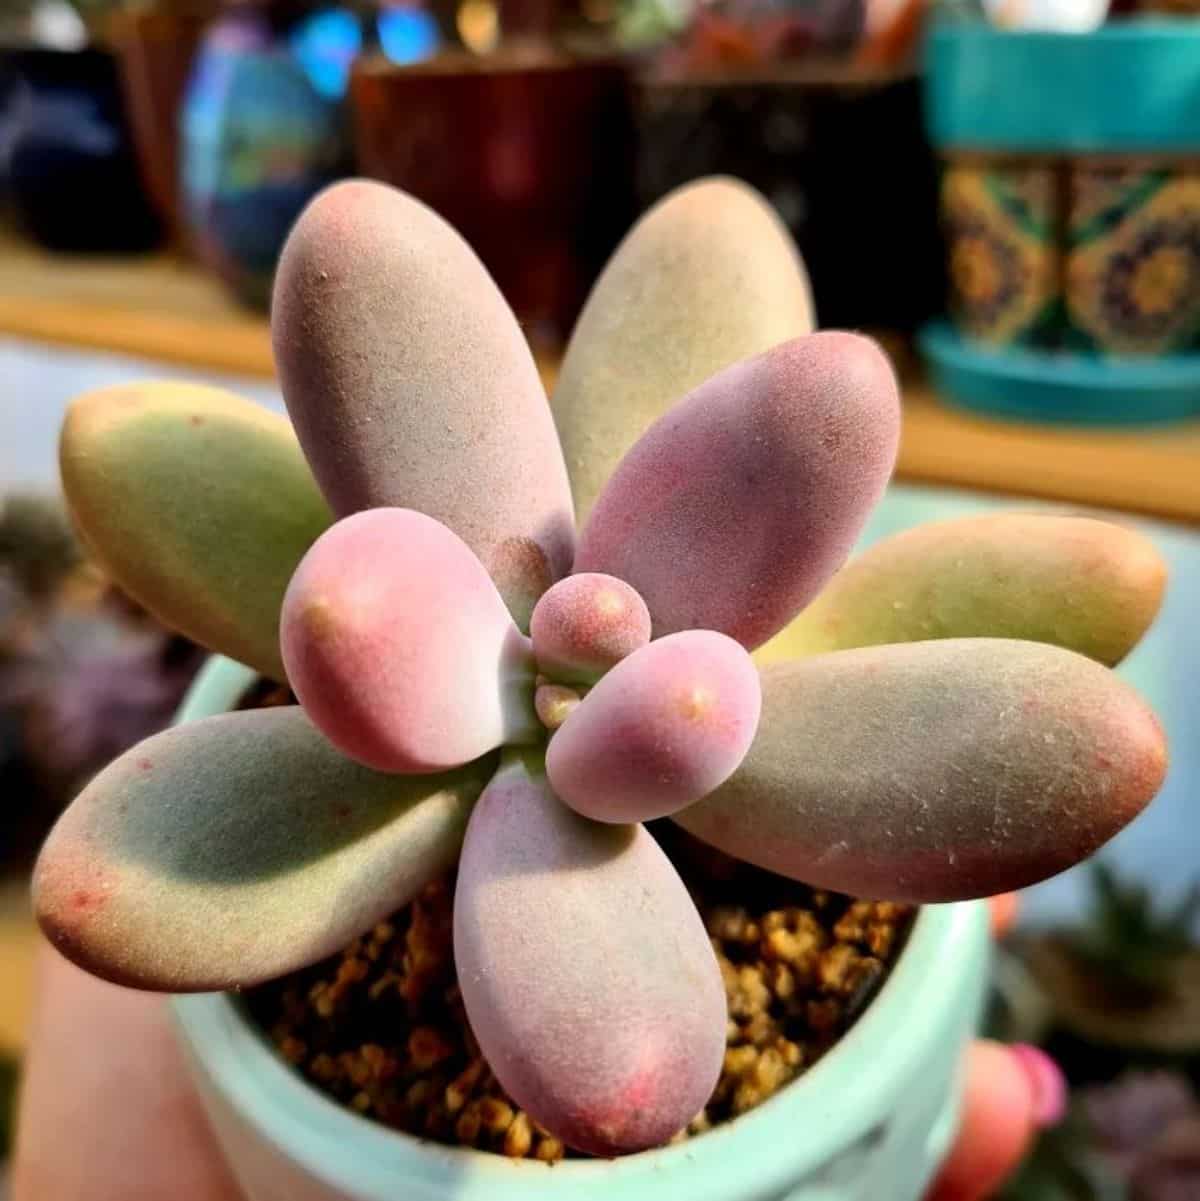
(154, 307)
(18, 942)
(166, 309)
(1155, 471)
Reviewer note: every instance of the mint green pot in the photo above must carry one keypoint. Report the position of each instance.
(870, 1122)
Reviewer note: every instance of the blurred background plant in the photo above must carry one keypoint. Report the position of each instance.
(84, 673)
(1136, 1139)
(195, 129)
(1132, 942)
(1115, 999)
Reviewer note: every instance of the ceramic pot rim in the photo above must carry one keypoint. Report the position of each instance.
(842, 1098)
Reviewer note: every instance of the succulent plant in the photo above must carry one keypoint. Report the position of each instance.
(83, 673)
(37, 549)
(1134, 1139)
(1130, 942)
(480, 684)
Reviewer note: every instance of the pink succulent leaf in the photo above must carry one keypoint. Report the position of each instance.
(586, 971)
(411, 384)
(660, 731)
(400, 648)
(735, 507)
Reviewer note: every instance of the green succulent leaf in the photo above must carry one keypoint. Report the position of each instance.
(198, 503)
(708, 277)
(1089, 586)
(232, 850)
(935, 771)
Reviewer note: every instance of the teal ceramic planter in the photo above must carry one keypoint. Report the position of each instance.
(871, 1120)
(1126, 88)
(1072, 388)
(1070, 202)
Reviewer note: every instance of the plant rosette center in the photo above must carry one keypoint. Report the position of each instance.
(518, 631)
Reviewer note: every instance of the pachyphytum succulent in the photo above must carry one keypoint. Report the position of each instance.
(479, 683)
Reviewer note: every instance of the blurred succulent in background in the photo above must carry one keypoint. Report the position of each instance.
(648, 23)
(481, 683)
(84, 674)
(769, 35)
(91, 681)
(37, 550)
(1133, 944)
(1136, 1139)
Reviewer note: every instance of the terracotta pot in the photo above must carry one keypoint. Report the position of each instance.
(155, 49)
(529, 155)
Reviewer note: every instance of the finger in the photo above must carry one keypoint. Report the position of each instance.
(1006, 1097)
(107, 1110)
(1005, 907)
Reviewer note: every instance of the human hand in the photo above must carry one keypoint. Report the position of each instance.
(1008, 1094)
(108, 1112)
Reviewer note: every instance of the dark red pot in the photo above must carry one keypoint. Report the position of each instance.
(530, 156)
(155, 49)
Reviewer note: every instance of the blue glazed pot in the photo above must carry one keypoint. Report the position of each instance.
(258, 142)
(870, 1121)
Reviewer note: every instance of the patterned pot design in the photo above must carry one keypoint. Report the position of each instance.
(1000, 221)
(1133, 265)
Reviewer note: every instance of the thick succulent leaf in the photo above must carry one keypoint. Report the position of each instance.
(198, 503)
(708, 277)
(400, 649)
(586, 971)
(411, 384)
(1090, 586)
(585, 625)
(663, 729)
(231, 850)
(934, 771)
(735, 508)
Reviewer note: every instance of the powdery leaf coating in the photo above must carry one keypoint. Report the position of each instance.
(707, 277)
(735, 508)
(411, 385)
(586, 972)
(232, 850)
(1090, 586)
(934, 771)
(198, 504)
(663, 729)
(400, 648)
(586, 624)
